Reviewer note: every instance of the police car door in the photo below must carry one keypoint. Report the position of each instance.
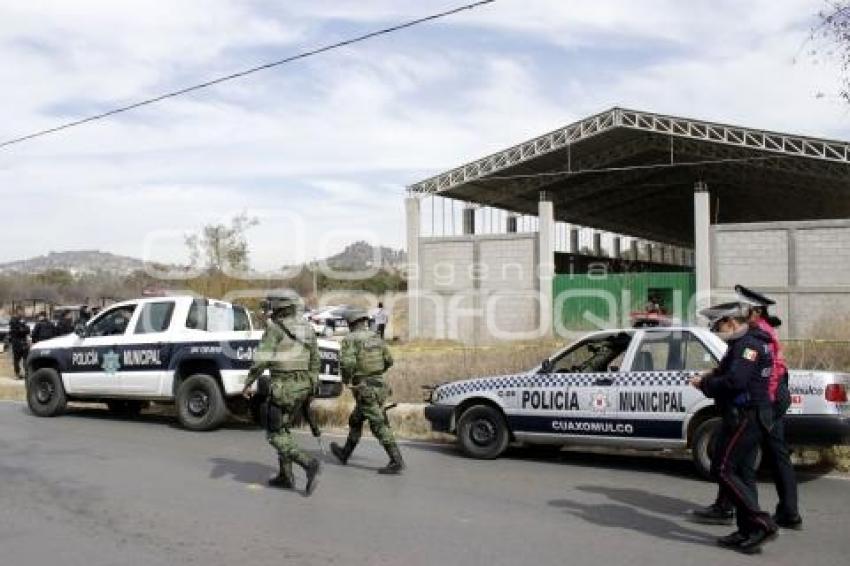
(145, 351)
(579, 394)
(655, 394)
(95, 360)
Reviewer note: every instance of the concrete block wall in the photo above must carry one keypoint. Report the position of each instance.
(479, 289)
(805, 266)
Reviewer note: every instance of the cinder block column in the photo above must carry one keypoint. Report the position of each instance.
(702, 244)
(546, 261)
(414, 269)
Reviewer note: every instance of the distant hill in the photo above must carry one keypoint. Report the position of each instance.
(76, 262)
(363, 255)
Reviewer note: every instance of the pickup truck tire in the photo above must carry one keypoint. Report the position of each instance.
(45, 393)
(482, 432)
(702, 447)
(200, 403)
(128, 409)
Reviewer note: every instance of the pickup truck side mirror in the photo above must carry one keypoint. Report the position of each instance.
(81, 330)
(546, 366)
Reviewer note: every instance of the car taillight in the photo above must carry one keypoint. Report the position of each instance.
(836, 393)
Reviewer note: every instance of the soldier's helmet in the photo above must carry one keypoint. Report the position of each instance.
(723, 311)
(280, 300)
(354, 315)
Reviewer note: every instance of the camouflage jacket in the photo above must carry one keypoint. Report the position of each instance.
(363, 354)
(288, 349)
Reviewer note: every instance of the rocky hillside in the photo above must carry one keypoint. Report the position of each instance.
(76, 262)
(362, 255)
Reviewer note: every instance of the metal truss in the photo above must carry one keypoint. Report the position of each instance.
(825, 152)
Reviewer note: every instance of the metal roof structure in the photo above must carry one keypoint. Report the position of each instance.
(634, 173)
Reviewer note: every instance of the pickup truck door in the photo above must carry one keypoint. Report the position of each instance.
(655, 393)
(94, 366)
(145, 349)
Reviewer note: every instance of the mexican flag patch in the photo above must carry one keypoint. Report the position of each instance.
(750, 354)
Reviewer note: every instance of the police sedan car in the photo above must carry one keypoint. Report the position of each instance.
(623, 388)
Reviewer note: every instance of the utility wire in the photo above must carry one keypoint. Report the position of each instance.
(240, 74)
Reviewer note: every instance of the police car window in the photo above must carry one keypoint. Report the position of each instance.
(594, 355)
(113, 322)
(697, 356)
(155, 317)
(661, 351)
(241, 321)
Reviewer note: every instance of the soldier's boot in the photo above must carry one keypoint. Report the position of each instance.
(284, 479)
(396, 464)
(312, 468)
(343, 453)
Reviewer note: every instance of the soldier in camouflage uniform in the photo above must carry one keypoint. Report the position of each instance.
(289, 351)
(363, 359)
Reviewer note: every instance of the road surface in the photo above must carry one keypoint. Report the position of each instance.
(87, 489)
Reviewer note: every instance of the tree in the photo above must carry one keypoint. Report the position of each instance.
(222, 247)
(834, 31)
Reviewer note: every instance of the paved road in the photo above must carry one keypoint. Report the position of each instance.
(86, 489)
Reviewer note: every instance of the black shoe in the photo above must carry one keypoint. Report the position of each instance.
(281, 482)
(313, 469)
(714, 515)
(733, 540)
(795, 523)
(755, 541)
(284, 479)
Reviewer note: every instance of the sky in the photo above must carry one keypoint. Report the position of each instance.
(320, 151)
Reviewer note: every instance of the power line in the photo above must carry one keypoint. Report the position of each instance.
(240, 74)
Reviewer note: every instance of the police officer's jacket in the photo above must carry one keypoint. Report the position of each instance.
(43, 330)
(18, 331)
(743, 376)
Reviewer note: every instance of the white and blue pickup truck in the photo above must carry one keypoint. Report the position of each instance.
(623, 388)
(194, 352)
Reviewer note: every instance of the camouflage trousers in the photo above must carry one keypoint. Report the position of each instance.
(289, 395)
(369, 406)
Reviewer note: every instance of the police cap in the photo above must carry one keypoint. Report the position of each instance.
(720, 312)
(753, 297)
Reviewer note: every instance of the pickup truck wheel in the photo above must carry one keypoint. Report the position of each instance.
(702, 447)
(128, 409)
(45, 393)
(200, 404)
(482, 432)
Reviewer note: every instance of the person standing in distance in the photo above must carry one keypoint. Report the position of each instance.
(743, 377)
(363, 359)
(19, 337)
(381, 320)
(290, 352)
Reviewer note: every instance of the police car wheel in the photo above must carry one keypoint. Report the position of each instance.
(702, 445)
(45, 393)
(200, 404)
(482, 432)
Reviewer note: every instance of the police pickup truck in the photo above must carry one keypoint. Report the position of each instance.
(193, 352)
(623, 388)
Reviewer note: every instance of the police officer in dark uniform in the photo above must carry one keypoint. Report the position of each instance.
(775, 448)
(43, 329)
(741, 381)
(19, 338)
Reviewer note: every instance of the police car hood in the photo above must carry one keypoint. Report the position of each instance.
(449, 389)
(66, 341)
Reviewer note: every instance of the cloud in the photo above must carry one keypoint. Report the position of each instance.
(334, 140)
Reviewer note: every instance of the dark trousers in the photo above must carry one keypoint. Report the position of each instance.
(381, 328)
(774, 451)
(736, 471)
(19, 355)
